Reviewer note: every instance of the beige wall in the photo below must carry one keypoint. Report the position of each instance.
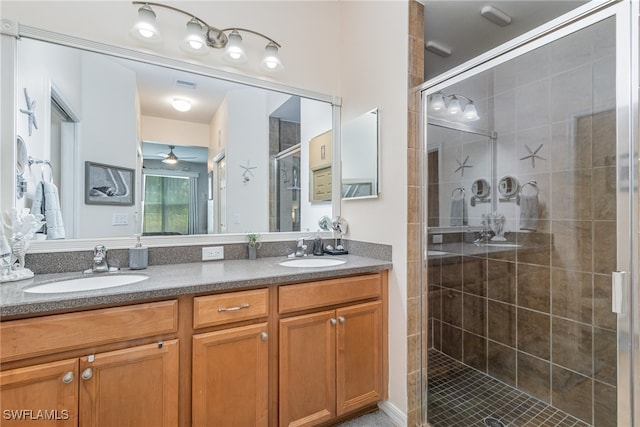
(374, 74)
(174, 132)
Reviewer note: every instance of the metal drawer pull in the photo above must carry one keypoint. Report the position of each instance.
(68, 378)
(239, 307)
(87, 374)
(332, 321)
(341, 319)
(264, 336)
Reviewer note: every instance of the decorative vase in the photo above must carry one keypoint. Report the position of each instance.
(252, 252)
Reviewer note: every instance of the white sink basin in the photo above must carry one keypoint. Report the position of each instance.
(88, 283)
(313, 262)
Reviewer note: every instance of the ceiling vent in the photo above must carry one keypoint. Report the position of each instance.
(185, 84)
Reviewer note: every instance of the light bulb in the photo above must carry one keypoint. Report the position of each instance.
(470, 113)
(194, 42)
(234, 52)
(145, 26)
(454, 107)
(270, 60)
(437, 102)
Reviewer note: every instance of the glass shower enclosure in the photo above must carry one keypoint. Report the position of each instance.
(529, 230)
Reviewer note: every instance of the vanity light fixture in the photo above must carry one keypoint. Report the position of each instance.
(453, 107)
(201, 35)
(181, 104)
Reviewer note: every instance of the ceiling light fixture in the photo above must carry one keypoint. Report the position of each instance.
(437, 48)
(453, 107)
(201, 35)
(495, 15)
(171, 158)
(181, 104)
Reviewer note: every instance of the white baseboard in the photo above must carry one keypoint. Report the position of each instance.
(398, 417)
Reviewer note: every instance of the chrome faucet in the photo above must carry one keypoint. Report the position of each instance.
(100, 263)
(300, 247)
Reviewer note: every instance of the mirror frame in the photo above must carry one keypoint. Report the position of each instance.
(11, 30)
(378, 186)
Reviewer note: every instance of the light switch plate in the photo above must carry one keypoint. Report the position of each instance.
(120, 219)
(212, 253)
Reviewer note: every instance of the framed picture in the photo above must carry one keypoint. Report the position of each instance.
(108, 185)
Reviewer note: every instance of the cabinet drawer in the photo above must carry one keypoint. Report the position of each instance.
(60, 332)
(328, 292)
(230, 307)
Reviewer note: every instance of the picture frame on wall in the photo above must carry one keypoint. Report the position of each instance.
(108, 185)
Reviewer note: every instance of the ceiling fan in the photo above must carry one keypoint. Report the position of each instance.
(170, 158)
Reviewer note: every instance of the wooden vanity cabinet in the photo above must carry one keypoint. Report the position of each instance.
(51, 387)
(230, 367)
(332, 362)
(136, 385)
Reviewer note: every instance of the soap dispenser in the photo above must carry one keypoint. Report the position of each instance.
(318, 246)
(138, 256)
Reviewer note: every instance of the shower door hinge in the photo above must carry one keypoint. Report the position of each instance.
(618, 290)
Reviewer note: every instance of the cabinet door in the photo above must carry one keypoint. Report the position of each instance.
(135, 386)
(230, 385)
(359, 357)
(307, 369)
(44, 395)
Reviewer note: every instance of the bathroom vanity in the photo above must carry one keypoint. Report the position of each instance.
(237, 342)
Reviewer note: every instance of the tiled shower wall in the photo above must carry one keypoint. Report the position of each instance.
(538, 317)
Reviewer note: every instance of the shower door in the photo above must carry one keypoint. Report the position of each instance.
(526, 223)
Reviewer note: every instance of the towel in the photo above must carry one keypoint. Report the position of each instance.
(459, 214)
(529, 211)
(47, 203)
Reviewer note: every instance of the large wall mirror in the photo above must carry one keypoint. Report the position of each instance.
(208, 155)
(360, 145)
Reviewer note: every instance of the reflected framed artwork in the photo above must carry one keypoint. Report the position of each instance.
(108, 185)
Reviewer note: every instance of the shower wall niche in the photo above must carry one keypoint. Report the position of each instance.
(535, 312)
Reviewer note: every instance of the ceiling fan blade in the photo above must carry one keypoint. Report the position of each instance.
(165, 155)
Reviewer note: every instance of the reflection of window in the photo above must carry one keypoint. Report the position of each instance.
(166, 205)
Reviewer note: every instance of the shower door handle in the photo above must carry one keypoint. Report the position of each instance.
(618, 286)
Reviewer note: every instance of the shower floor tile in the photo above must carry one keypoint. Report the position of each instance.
(460, 396)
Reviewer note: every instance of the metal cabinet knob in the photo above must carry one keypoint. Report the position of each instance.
(332, 321)
(87, 374)
(68, 377)
(264, 336)
(341, 319)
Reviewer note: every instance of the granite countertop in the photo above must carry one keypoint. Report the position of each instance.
(173, 280)
(502, 250)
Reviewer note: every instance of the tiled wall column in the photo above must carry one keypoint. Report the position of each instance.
(416, 76)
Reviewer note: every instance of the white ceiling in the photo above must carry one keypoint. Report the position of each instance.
(458, 25)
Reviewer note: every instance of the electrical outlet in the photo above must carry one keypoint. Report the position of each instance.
(437, 238)
(212, 253)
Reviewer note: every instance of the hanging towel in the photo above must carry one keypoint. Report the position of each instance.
(529, 211)
(47, 203)
(459, 214)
